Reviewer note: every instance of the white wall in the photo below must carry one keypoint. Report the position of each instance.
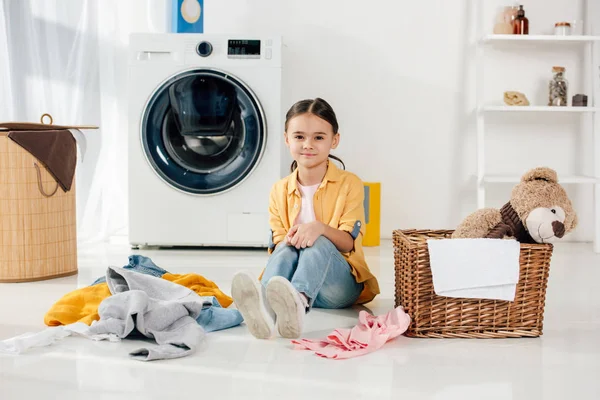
(401, 76)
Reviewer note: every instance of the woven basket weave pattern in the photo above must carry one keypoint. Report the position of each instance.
(37, 234)
(444, 317)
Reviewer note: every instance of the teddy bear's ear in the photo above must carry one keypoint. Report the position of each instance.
(542, 174)
(575, 222)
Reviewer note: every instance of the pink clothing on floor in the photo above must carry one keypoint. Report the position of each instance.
(370, 334)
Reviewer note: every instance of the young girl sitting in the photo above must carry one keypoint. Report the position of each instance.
(317, 223)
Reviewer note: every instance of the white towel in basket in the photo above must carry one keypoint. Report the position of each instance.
(475, 268)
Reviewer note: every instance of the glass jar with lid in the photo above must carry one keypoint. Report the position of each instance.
(562, 28)
(558, 87)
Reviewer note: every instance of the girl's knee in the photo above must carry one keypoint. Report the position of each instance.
(282, 262)
(322, 243)
(284, 250)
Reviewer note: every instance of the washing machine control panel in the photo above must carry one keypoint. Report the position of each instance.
(240, 48)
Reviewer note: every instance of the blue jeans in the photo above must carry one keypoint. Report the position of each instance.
(140, 264)
(215, 318)
(319, 271)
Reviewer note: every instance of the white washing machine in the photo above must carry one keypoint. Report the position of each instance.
(205, 138)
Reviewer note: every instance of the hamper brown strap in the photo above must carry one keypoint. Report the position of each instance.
(40, 187)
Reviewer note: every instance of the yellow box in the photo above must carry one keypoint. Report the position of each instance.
(372, 214)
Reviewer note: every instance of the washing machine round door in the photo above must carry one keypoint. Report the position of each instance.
(203, 131)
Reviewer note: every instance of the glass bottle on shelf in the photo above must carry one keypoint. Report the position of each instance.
(558, 88)
(521, 23)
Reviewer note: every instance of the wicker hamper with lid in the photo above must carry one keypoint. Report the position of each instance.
(445, 317)
(38, 231)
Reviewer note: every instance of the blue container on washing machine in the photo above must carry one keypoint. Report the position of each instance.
(188, 16)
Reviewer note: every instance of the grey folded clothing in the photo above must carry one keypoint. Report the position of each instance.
(158, 309)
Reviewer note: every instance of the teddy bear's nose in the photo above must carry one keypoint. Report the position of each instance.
(558, 228)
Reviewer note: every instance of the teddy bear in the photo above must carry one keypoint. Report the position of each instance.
(539, 211)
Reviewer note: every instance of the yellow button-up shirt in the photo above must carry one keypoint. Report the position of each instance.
(339, 203)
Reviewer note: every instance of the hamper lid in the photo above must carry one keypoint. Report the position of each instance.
(32, 126)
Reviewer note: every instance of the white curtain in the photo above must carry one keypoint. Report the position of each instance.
(68, 58)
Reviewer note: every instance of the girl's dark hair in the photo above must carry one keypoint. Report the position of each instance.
(321, 109)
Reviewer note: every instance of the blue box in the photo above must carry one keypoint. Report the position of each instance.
(188, 16)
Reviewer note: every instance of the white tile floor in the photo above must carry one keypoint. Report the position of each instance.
(563, 364)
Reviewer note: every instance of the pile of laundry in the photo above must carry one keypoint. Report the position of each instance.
(143, 301)
(137, 299)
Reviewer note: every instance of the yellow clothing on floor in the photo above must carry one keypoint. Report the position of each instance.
(81, 305)
(200, 285)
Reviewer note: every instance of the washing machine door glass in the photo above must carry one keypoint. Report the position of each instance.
(203, 131)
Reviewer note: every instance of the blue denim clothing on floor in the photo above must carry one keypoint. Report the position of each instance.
(141, 264)
(213, 316)
(319, 271)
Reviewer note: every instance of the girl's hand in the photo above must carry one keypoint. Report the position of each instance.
(305, 235)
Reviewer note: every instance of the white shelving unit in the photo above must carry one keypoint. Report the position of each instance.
(491, 38)
(539, 109)
(592, 111)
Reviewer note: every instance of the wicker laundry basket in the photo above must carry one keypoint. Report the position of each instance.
(38, 232)
(445, 317)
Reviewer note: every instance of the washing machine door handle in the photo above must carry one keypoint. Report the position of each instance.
(205, 132)
(203, 106)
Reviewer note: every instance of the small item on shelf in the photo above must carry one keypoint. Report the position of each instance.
(504, 19)
(580, 100)
(521, 23)
(512, 98)
(558, 88)
(562, 28)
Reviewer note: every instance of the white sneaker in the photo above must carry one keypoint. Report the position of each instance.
(247, 295)
(287, 304)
